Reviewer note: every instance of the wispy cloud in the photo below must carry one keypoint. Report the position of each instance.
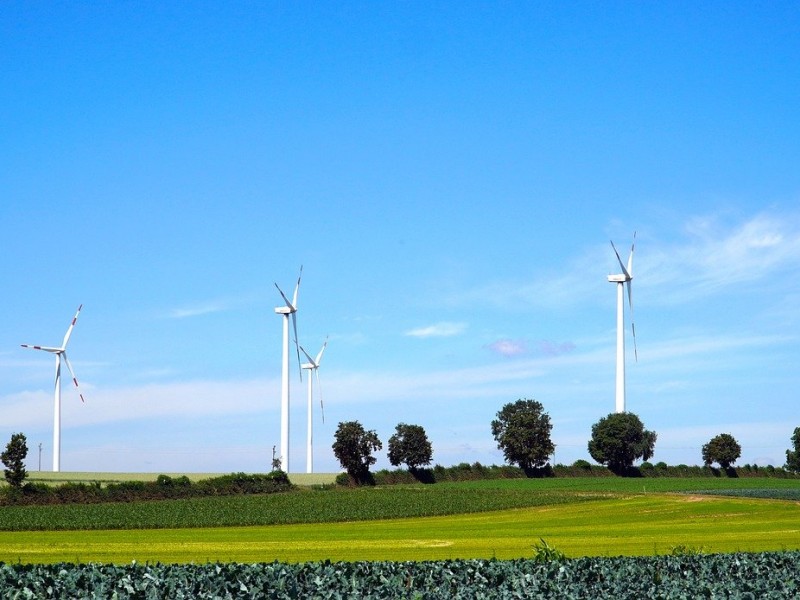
(550, 348)
(508, 347)
(198, 310)
(715, 256)
(441, 329)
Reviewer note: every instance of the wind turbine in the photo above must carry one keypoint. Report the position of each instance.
(623, 279)
(290, 308)
(59, 352)
(313, 367)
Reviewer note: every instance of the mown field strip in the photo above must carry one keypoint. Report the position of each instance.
(635, 525)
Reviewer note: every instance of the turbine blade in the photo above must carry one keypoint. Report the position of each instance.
(71, 327)
(319, 356)
(285, 299)
(74, 379)
(43, 348)
(319, 391)
(624, 270)
(297, 287)
(630, 306)
(296, 345)
(630, 257)
(308, 356)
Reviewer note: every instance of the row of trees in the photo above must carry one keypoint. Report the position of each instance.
(522, 431)
(354, 445)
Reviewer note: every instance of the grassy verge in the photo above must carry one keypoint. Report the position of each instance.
(629, 525)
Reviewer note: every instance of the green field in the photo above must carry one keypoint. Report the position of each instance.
(582, 517)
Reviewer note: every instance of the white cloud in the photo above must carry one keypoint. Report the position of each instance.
(198, 310)
(508, 347)
(715, 257)
(441, 329)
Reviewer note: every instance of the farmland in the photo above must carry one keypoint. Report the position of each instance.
(482, 519)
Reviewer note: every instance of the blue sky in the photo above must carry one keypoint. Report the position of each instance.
(449, 176)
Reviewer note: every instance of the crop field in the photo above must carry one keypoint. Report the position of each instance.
(485, 519)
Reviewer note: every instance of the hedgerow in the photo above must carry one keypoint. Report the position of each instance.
(163, 488)
(762, 576)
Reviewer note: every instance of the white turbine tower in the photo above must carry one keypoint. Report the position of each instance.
(623, 279)
(290, 308)
(313, 368)
(59, 352)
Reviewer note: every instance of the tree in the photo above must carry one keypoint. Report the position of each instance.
(353, 447)
(410, 445)
(14, 460)
(522, 431)
(619, 439)
(722, 449)
(793, 456)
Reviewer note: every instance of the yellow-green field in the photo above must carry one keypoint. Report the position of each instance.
(642, 524)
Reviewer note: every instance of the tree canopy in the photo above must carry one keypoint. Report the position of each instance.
(619, 439)
(722, 449)
(353, 447)
(793, 456)
(522, 431)
(14, 459)
(410, 445)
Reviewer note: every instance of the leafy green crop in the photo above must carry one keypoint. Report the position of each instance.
(767, 575)
(335, 505)
(774, 494)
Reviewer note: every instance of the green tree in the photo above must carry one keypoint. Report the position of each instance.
(793, 456)
(522, 431)
(353, 447)
(14, 460)
(619, 439)
(410, 445)
(722, 449)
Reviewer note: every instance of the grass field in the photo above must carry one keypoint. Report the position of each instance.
(582, 517)
(625, 525)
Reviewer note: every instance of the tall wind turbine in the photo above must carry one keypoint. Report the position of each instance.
(623, 279)
(313, 367)
(290, 308)
(59, 352)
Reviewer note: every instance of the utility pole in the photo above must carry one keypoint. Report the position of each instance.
(40, 456)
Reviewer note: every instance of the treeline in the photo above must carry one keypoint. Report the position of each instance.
(580, 468)
(163, 488)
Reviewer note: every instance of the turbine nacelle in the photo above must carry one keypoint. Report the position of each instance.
(621, 278)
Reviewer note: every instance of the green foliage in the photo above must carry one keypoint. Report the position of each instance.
(333, 505)
(769, 493)
(14, 459)
(619, 439)
(765, 575)
(793, 456)
(353, 447)
(544, 552)
(684, 550)
(722, 449)
(522, 431)
(410, 446)
(163, 488)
